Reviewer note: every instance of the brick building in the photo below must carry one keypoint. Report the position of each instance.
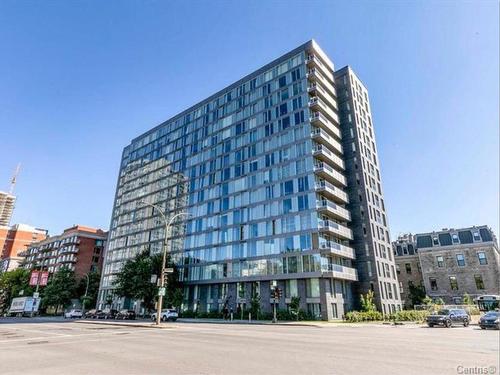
(14, 240)
(79, 248)
(449, 263)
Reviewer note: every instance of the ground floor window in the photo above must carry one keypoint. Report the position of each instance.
(335, 313)
(479, 282)
(314, 309)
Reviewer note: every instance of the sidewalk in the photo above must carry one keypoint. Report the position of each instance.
(144, 323)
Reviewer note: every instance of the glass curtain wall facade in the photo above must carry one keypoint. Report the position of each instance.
(260, 168)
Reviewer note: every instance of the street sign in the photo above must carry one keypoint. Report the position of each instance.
(169, 270)
(153, 279)
(36, 295)
(161, 291)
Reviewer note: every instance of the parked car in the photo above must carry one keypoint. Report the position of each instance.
(449, 317)
(106, 314)
(125, 314)
(166, 315)
(73, 313)
(92, 314)
(490, 320)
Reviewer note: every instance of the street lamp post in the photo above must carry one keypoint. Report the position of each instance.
(38, 285)
(85, 296)
(168, 224)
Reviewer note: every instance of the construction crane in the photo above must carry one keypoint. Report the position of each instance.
(14, 179)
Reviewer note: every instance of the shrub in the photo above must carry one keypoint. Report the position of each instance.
(187, 314)
(409, 316)
(363, 316)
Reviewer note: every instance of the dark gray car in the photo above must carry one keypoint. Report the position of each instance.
(449, 317)
(490, 320)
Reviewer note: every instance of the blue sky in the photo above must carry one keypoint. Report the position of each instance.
(80, 79)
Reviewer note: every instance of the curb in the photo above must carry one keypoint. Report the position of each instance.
(243, 322)
(132, 325)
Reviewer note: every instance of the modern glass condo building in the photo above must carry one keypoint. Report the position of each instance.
(280, 176)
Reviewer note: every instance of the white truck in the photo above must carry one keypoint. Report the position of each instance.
(24, 306)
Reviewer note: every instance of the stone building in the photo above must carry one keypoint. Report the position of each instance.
(449, 263)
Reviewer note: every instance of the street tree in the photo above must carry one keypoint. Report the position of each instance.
(12, 284)
(134, 281)
(92, 291)
(60, 289)
(416, 294)
(367, 303)
(295, 307)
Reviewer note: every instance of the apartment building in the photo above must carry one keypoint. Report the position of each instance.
(15, 239)
(280, 177)
(450, 263)
(7, 202)
(79, 248)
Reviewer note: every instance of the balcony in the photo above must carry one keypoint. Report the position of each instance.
(321, 136)
(336, 229)
(325, 154)
(320, 120)
(315, 89)
(338, 271)
(316, 103)
(314, 62)
(68, 250)
(334, 248)
(331, 191)
(339, 213)
(67, 260)
(314, 75)
(328, 173)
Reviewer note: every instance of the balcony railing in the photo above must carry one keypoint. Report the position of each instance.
(332, 247)
(316, 103)
(323, 153)
(314, 75)
(315, 89)
(318, 119)
(313, 61)
(331, 191)
(322, 136)
(335, 228)
(333, 209)
(340, 272)
(327, 172)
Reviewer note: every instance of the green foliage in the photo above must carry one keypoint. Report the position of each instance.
(427, 301)
(295, 307)
(409, 316)
(467, 300)
(255, 307)
(134, 281)
(367, 304)
(416, 294)
(11, 284)
(363, 316)
(93, 281)
(60, 289)
(439, 301)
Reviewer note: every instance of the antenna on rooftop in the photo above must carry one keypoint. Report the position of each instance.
(14, 179)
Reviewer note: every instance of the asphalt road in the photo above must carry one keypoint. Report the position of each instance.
(58, 347)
